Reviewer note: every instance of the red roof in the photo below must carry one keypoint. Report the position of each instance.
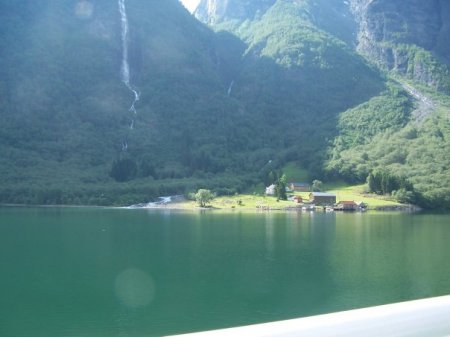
(348, 203)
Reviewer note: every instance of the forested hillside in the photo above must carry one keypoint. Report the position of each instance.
(402, 127)
(254, 86)
(404, 132)
(67, 133)
(294, 77)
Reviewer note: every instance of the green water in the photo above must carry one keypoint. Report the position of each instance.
(79, 272)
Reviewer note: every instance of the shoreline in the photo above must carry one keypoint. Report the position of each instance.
(186, 206)
(407, 208)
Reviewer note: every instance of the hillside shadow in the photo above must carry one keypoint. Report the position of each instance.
(295, 108)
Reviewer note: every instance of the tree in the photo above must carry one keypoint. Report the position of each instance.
(385, 182)
(203, 197)
(270, 178)
(404, 196)
(123, 170)
(371, 183)
(377, 176)
(280, 188)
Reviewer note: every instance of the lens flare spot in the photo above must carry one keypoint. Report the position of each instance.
(134, 288)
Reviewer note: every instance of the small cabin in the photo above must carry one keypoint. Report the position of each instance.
(322, 199)
(346, 206)
(300, 187)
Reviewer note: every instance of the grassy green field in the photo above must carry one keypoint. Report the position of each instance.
(241, 202)
(356, 193)
(252, 202)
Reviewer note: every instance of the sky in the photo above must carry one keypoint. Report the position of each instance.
(190, 4)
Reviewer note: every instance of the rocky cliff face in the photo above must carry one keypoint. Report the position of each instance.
(410, 37)
(412, 21)
(216, 11)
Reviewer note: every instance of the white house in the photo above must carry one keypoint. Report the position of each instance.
(270, 190)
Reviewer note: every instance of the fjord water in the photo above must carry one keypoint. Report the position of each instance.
(76, 272)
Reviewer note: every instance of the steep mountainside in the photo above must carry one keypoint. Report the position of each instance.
(410, 40)
(116, 102)
(210, 104)
(295, 76)
(402, 129)
(410, 37)
(66, 124)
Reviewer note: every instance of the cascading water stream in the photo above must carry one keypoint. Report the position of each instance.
(125, 67)
(230, 87)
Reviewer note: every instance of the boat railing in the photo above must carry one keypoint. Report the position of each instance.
(419, 318)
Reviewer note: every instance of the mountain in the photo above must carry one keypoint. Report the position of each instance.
(221, 103)
(409, 41)
(293, 76)
(403, 127)
(410, 38)
(65, 109)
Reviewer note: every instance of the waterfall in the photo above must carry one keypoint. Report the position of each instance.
(125, 68)
(230, 87)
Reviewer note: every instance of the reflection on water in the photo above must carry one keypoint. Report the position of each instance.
(111, 272)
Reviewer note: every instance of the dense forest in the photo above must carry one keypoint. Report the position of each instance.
(221, 102)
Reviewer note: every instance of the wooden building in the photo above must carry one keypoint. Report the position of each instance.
(346, 206)
(322, 199)
(300, 187)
